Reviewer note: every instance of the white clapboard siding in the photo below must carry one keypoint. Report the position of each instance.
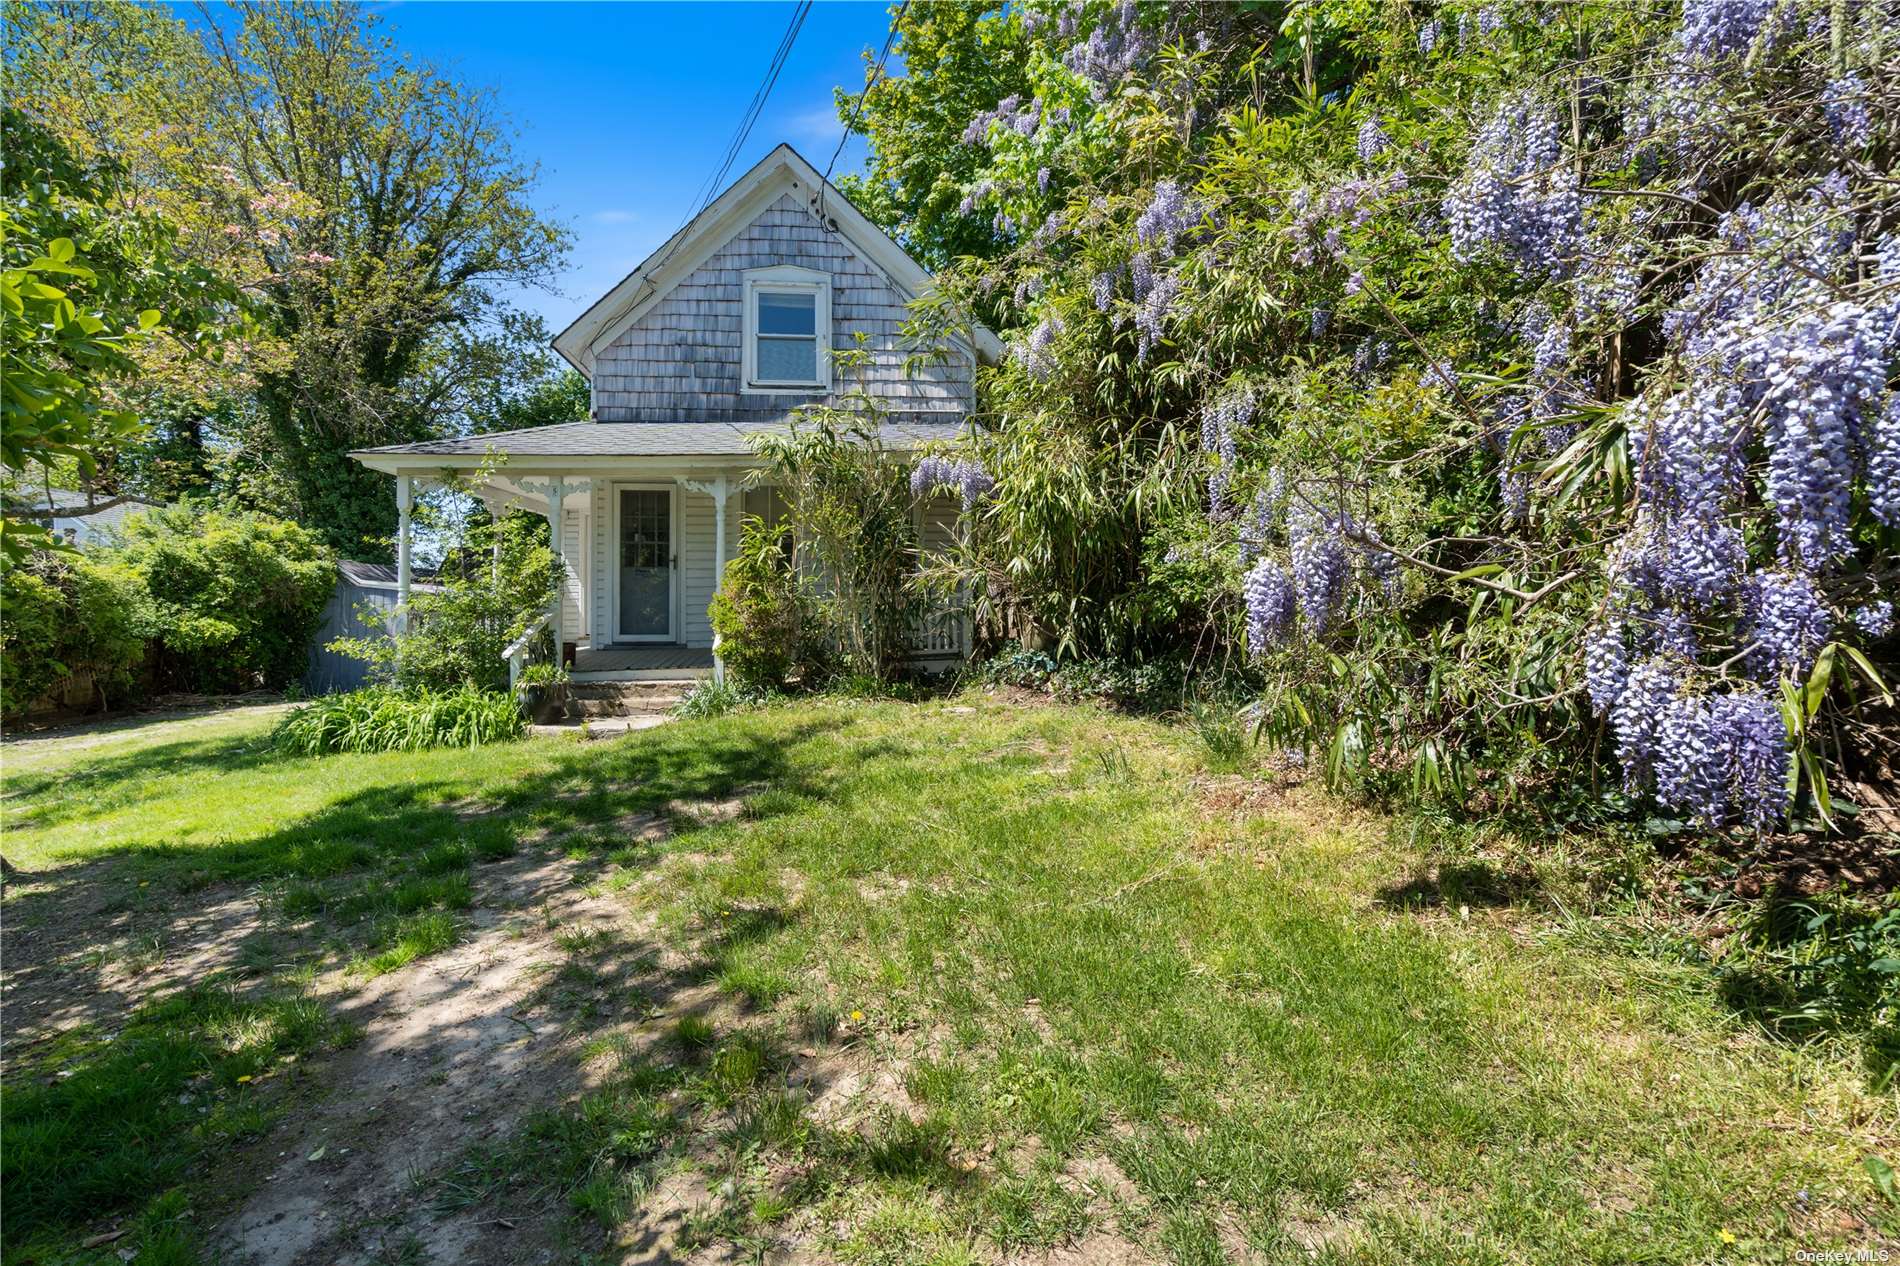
(937, 524)
(697, 560)
(682, 362)
(573, 534)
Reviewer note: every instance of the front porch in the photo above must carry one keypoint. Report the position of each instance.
(642, 663)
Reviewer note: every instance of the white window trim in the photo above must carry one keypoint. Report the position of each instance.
(786, 279)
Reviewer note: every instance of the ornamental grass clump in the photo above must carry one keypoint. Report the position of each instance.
(386, 719)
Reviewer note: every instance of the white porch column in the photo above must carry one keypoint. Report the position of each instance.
(557, 492)
(405, 500)
(719, 491)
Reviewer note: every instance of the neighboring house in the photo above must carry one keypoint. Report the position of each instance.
(80, 519)
(724, 331)
(358, 586)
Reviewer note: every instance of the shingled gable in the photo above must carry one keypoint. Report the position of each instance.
(782, 172)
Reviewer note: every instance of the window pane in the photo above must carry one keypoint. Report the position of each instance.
(788, 360)
(787, 314)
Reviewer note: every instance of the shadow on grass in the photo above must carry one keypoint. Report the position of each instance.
(56, 920)
(1450, 884)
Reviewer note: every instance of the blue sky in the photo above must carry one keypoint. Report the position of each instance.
(628, 107)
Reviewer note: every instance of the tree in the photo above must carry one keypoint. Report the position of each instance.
(372, 209)
(86, 286)
(957, 60)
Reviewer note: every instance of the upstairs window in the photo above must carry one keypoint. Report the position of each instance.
(787, 313)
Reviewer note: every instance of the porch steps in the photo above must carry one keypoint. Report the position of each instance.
(602, 709)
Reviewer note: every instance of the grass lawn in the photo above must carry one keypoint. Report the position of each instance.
(878, 983)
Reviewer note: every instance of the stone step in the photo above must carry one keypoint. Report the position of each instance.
(640, 705)
(597, 728)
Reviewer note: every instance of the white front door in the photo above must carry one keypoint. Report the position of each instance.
(646, 563)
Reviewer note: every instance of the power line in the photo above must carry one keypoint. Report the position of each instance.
(877, 72)
(751, 116)
(717, 180)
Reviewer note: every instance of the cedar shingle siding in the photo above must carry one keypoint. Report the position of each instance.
(682, 361)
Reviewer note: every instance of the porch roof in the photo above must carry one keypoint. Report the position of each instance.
(592, 441)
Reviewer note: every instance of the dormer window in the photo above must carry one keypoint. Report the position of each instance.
(787, 320)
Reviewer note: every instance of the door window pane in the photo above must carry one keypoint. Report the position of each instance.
(646, 562)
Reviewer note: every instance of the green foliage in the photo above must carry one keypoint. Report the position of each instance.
(1299, 297)
(1811, 967)
(958, 59)
(81, 283)
(385, 719)
(496, 581)
(371, 206)
(1155, 685)
(234, 597)
(554, 397)
(851, 508)
(711, 699)
(763, 611)
(63, 615)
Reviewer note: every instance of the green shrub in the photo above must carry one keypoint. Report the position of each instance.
(761, 612)
(385, 719)
(65, 614)
(497, 580)
(711, 699)
(234, 597)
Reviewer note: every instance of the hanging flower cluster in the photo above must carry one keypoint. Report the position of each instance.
(1219, 423)
(962, 475)
(1516, 195)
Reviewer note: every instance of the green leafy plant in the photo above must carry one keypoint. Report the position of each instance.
(763, 612)
(497, 579)
(234, 597)
(384, 719)
(713, 699)
(66, 614)
(851, 507)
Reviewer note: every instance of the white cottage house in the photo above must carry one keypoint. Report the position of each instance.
(725, 330)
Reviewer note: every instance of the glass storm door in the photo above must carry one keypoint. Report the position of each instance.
(646, 563)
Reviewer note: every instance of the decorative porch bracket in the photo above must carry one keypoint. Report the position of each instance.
(718, 489)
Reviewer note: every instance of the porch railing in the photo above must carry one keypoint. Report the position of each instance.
(518, 650)
(939, 631)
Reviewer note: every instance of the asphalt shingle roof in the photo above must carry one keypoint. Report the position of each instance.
(645, 439)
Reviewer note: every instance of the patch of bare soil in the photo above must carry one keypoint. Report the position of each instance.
(80, 953)
(456, 1050)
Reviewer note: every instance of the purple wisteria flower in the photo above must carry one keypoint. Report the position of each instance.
(1220, 422)
(1516, 195)
(966, 476)
(1372, 139)
(1268, 594)
(1319, 567)
(1169, 214)
(1786, 624)
(1156, 305)
(1844, 101)
(1875, 619)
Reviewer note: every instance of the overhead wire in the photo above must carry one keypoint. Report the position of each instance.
(857, 110)
(716, 181)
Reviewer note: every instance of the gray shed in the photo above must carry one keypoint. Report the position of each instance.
(358, 585)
